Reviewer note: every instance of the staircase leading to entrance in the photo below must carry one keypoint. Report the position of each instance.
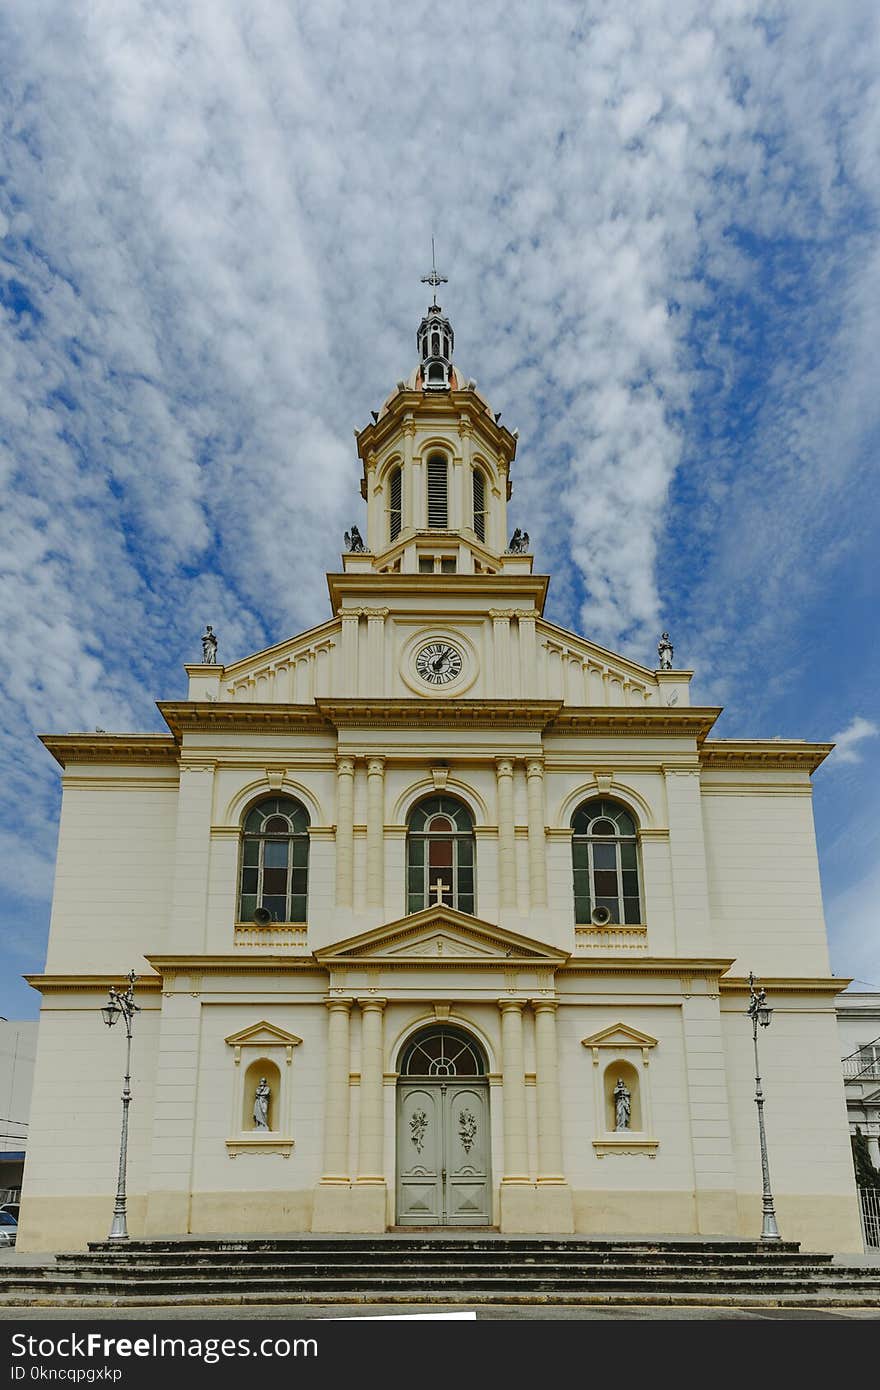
(447, 1269)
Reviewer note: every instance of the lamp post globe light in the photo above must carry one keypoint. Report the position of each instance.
(120, 1004)
(759, 1012)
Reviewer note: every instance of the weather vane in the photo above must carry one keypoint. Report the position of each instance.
(434, 279)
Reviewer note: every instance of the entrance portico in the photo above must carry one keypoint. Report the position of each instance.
(422, 1148)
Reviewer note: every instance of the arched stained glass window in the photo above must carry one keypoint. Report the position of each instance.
(275, 860)
(440, 855)
(442, 1052)
(605, 863)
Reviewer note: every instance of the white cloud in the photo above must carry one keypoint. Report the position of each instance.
(847, 749)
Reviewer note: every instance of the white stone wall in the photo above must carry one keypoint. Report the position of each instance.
(763, 873)
(114, 868)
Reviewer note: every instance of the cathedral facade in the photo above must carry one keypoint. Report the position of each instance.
(442, 916)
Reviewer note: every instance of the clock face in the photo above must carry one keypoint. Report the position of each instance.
(438, 663)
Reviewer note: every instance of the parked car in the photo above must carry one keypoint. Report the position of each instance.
(11, 1207)
(8, 1228)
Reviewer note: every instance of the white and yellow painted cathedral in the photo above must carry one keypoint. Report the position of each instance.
(442, 915)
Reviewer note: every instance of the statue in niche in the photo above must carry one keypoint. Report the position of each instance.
(261, 1104)
(665, 652)
(209, 646)
(622, 1105)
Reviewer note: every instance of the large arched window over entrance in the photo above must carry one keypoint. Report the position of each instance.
(438, 1052)
(440, 855)
(606, 865)
(275, 861)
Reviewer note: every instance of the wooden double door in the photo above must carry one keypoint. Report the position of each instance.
(443, 1153)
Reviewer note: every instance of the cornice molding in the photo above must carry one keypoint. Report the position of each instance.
(431, 586)
(87, 983)
(788, 984)
(769, 754)
(645, 722)
(111, 748)
(196, 716)
(470, 714)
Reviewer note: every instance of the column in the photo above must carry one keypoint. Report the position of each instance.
(549, 1118)
(344, 831)
(506, 842)
(537, 849)
(516, 1157)
(174, 1113)
(375, 832)
(372, 1126)
(336, 1099)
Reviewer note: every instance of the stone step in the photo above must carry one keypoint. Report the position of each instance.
(308, 1254)
(367, 1281)
(445, 1268)
(821, 1299)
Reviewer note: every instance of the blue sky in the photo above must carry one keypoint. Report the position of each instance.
(659, 224)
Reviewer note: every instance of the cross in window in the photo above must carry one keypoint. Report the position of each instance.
(439, 888)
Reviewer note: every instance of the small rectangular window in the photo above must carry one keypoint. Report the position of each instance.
(447, 566)
(426, 564)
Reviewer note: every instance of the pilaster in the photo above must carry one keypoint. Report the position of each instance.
(537, 847)
(375, 832)
(344, 832)
(506, 833)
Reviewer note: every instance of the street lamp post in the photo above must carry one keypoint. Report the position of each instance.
(760, 1012)
(120, 1004)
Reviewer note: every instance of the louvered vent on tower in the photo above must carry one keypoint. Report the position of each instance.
(395, 504)
(479, 505)
(438, 511)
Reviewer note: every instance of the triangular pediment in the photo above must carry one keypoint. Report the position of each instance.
(263, 1035)
(619, 1035)
(441, 933)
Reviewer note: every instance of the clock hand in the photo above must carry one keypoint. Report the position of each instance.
(438, 662)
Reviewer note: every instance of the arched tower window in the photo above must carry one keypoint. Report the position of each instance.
(440, 849)
(438, 507)
(479, 504)
(275, 861)
(605, 864)
(395, 503)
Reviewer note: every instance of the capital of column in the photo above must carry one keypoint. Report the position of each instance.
(376, 612)
(544, 1005)
(334, 1004)
(345, 767)
(350, 615)
(372, 1004)
(408, 428)
(504, 767)
(508, 1005)
(375, 767)
(534, 767)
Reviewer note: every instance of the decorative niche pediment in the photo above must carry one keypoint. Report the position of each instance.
(263, 1035)
(441, 934)
(619, 1035)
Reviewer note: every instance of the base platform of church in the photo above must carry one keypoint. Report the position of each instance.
(447, 1268)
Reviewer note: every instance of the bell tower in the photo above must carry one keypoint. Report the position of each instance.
(436, 477)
